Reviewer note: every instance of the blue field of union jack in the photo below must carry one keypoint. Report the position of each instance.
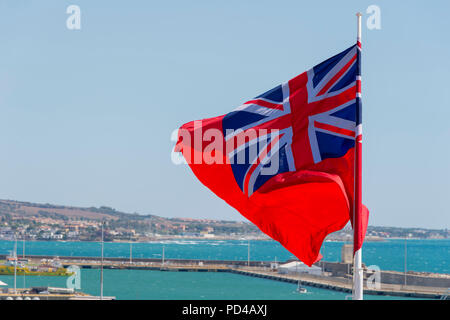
(264, 128)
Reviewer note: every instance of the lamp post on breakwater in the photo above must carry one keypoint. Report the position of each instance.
(248, 253)
(406, 252)
(131, 244)
(23, 256)
(162, 260)
(101, 267)
(131, 250)
(15, 263)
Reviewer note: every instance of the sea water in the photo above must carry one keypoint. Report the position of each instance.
(422, 255)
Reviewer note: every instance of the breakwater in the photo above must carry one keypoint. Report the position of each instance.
(336, 275)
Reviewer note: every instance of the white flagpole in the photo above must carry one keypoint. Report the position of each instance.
(357, 263)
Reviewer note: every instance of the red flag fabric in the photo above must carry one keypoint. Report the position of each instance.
(285, 159)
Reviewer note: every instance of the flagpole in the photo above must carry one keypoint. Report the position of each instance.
(357, 208)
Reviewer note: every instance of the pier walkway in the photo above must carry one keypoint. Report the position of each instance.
(345, 285)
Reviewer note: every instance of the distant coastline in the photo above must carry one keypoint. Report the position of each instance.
(48, 222)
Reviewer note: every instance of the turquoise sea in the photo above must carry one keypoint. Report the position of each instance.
(422, 255)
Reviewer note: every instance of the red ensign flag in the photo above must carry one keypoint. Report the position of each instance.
(285, 159)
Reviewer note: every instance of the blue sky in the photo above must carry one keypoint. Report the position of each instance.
(86, 115)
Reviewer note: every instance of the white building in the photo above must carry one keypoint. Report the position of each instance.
(297, 267)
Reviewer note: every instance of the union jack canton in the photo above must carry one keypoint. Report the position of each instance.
(330, 103)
